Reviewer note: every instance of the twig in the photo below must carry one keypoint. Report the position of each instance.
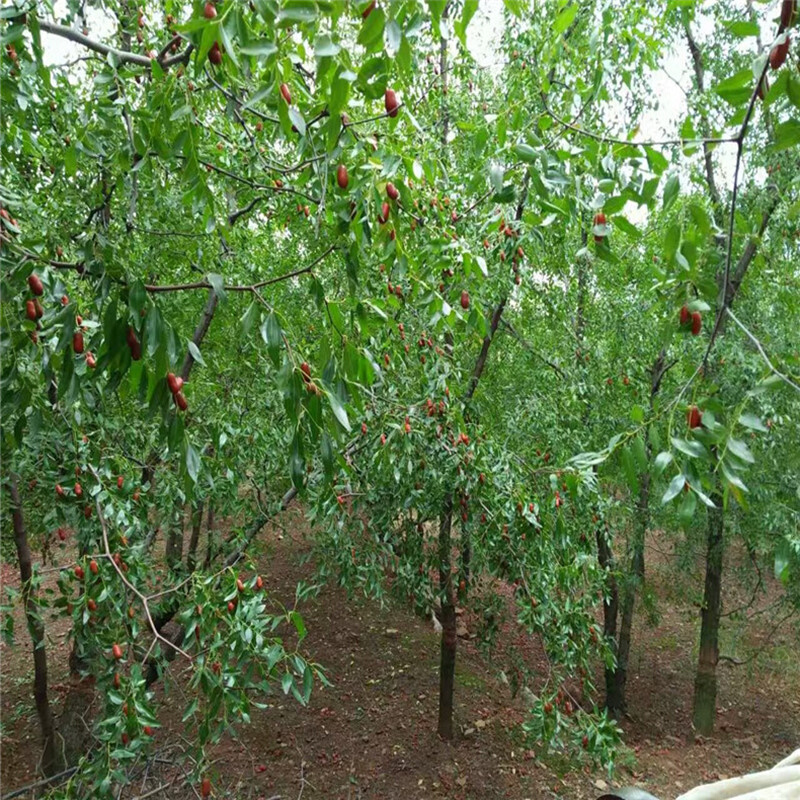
(252, 287)
(142, 598)
(122, 56)
(59, 778)
(760, 349)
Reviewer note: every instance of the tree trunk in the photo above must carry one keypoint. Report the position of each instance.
(610, 611)
(447, 662)
(50, 760)
(197, 523)
(632, 584)
(705, 682)
(209, 537)
(174, 548)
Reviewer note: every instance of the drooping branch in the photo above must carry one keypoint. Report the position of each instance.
(528, 346)
(121, 56)
(249, 287)
(200, 332)
(699, 75)
(613, 140)
(50, 763)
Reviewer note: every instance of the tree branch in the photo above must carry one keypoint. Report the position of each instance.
(121, 56)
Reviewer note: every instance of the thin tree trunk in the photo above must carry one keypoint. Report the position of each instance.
(50, 761)
(197, 524)
(605, 558)
(209, 537)
(617, 703)
(447, 664)
(705, 683)
(174, 548)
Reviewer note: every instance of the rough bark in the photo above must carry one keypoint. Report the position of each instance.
(617, 702)
(174, 548)
(51, 762)
(209, 537)
(616, 697)
(200, 332)
(447, 664)
(605, 558)
(197, 524)
(705, 683)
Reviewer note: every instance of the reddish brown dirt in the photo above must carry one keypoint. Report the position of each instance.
(372, 734)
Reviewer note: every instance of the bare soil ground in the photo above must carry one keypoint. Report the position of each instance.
(372, 734)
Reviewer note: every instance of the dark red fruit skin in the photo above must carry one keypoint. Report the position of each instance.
(392, 191)
(35, 284)
(685, 315)
(697, 323)
(215, 55)
(778, 54)
(180, 401)
(209, 12)
(30, 310)
(287, 95)
(368, 10)
(788, 14)
(77, 342)
(116, 651)
(599, 219)
(342, 177)
(465, 300)
(385, 209)
(694, 416)
(390, 103)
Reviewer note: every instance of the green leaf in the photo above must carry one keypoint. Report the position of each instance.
(299, 625)
(671, 188)
(249, 319)
(271, 333)
(565, 18)
(525, 152)
(192, 460)
(195, 352)
(303, 11)
(690, 448)
(661, 461)
(674, 488)
(658, 163)
(730, 475)
(394, 36)
(687, 508)
(372, 27)
(737, 89)
(793, 89)
(325, 47)
(742, 28)
(338, 410)
(297, 120)
(787, 134)
(260, 48)
(217, 284)
(70, 161)
(308, 682)
(740, 450)
(753, 422)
